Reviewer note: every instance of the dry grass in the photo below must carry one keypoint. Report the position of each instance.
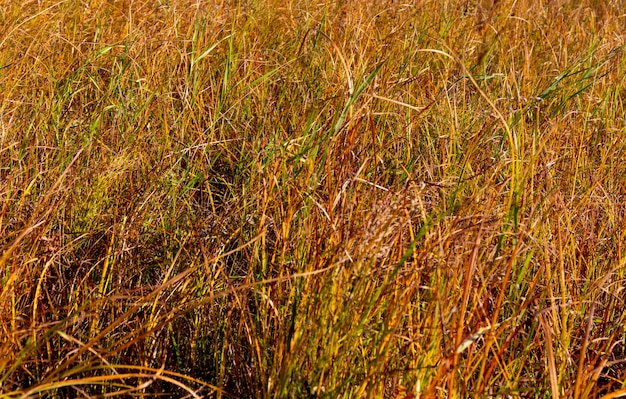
(312, 199)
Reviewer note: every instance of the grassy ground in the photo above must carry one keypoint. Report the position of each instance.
(312, 198)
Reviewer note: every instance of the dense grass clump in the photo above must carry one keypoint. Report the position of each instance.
(312, 199)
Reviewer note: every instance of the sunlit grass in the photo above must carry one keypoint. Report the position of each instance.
(312, 199)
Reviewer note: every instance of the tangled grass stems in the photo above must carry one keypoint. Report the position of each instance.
(312, 199)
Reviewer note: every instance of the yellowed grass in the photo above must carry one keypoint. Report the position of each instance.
(312, 199)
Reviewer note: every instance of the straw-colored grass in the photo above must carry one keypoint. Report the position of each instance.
(312, 199)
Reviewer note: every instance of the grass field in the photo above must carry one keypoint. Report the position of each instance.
(300, 199)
